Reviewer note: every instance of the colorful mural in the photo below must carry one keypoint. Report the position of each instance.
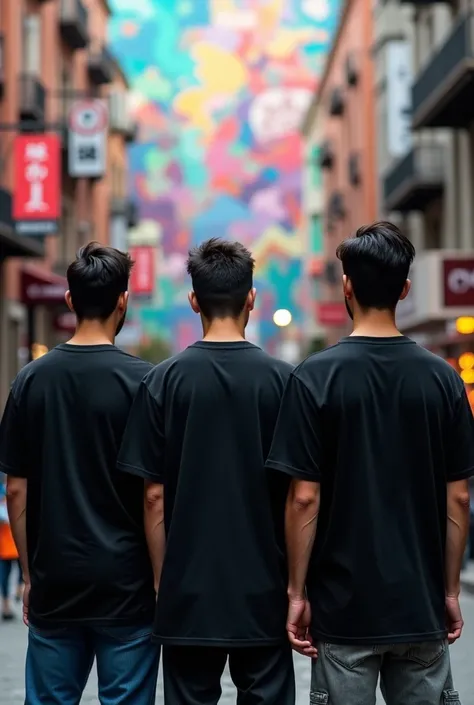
(219, 89)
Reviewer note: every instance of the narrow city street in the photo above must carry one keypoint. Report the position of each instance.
(13, 642)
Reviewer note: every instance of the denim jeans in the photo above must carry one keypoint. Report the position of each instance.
(410, 674)
(59, 661)
(6, 566)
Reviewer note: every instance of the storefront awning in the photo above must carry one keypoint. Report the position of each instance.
(11, 244)
(41, 288)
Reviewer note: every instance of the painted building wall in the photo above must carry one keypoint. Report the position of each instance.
(220, 88)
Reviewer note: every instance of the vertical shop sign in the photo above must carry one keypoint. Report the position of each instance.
(142, 280)
(37, 197)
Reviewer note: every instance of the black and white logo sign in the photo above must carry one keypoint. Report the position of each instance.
(88, 122)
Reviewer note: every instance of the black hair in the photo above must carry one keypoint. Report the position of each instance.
(377, 260)
(96, 279)
(222, 276)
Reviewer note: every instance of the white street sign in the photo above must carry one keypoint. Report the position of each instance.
(88, 121)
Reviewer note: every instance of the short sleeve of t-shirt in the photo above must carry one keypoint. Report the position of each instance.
(142, 450)
(460, 455)
(297, 448)
(12, 458)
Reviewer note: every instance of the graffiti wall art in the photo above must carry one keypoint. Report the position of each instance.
(219, 89)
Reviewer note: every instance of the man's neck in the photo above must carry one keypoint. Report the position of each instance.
(375, 324)
(223, 330)
(92, 333)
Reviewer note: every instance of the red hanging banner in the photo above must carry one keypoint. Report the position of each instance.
(37, 195)
(142, 280)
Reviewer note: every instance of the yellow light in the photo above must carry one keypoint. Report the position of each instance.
(467, 376)
(38, 350)
(282, 318)
(465, 325)
(466, 361)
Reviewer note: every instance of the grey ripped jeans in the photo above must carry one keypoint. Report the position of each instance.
(410, 674)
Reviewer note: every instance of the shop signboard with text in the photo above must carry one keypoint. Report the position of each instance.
(458, 282)
(42, 290)
(142, 280)
(37, 194)
(88, 124)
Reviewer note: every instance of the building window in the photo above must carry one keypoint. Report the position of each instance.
(32, 43)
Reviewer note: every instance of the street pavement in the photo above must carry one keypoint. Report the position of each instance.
(13, 644)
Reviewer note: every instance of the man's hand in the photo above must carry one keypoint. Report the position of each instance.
(454, 620)
(26, 603)
(299, 620)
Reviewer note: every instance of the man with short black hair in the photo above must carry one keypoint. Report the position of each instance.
(378, 437)
(199, 431)
(77, 522)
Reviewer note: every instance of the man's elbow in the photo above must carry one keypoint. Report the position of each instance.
(304, 496)
(458, 494)
(154, 495)
(16, 489)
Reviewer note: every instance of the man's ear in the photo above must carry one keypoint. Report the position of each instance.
(252, 295)
(405, 290)
(68, 299)
(122, 302)
(347, 287)
(193, 302)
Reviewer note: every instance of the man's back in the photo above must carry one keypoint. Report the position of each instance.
(86, 548)
(388, 421)
(217, 405)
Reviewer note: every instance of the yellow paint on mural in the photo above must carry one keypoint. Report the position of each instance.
(275, 239)
(269, 15)
(287, 41)
(190, 104)
(218, 70)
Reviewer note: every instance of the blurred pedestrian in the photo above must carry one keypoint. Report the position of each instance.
(378, 436)
(199, 433)
(8, 558)
(89, 585)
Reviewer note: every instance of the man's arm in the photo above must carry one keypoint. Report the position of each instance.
(301, 519)
(456, 535)
(155, 528)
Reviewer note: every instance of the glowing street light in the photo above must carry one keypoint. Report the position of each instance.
(282, 318)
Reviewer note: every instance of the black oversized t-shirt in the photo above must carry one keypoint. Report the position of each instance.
(61, 430)
(201, 425)
(383, 425)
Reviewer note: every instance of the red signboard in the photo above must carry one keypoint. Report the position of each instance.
(331, 313)
(42, 288)
(458, 282)
(142, 280)
(37, 204)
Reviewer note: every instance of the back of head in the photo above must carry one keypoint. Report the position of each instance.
(377, 261)
(96, 279)
(222, 276)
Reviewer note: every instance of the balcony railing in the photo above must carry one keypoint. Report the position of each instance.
(32, 98)
(326, 155)
(101, 65)
(442, 95)
(336, 102)
(74, 23)
(120, 116)
(337, 209)
(415, 180)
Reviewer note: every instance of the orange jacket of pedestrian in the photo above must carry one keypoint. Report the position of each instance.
(8, 550)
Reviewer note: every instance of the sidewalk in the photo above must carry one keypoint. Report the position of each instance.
(467, 579)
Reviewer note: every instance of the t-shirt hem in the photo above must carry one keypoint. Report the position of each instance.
(13, 472)
(222, 643)
(294, 472)
(140, 472)
(380, 639)
(49, 623)
(463, 475)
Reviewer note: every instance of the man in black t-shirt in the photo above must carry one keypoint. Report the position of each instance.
(89, 584)
(199, 431)
(378, 436)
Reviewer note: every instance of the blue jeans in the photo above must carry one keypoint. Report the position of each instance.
(59, 661)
